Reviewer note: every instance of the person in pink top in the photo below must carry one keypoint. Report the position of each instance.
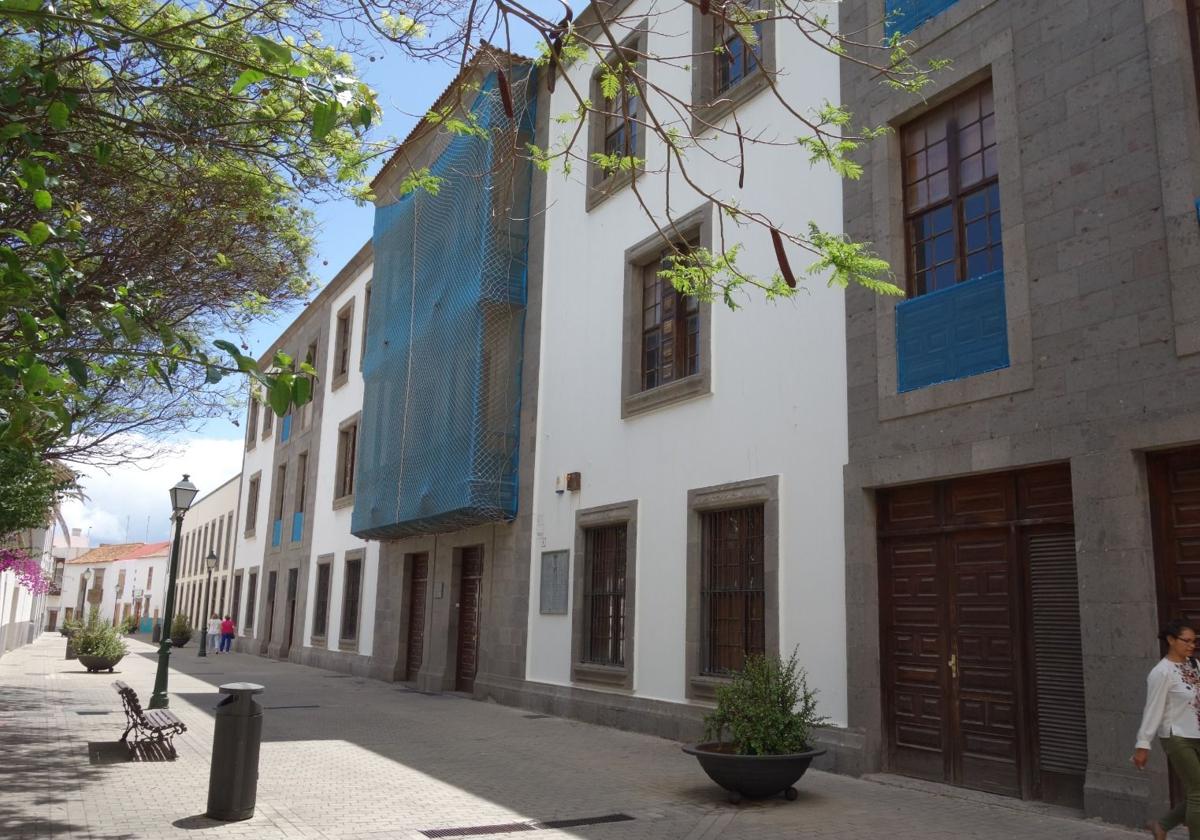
(227, 633)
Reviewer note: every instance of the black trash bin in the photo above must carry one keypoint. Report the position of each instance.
(233, 778)
(156, 634)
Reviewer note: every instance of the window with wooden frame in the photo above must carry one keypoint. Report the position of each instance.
(268, 419)
(351, 596)
(343, 330)
(733, 588)
(729, 67)
(310, 356)
(952, 193)
(614, 127)
(670, 328)
(252, 423)
(280, 481)
(321, 603)
(604, 595)
(347, 450)
(667, 342)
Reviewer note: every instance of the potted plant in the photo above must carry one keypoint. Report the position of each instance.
(99, 645)
(758, 741)
(129, 625)
(181, 630)
(70, 628)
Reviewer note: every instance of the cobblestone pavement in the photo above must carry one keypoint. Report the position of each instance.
(344, 757)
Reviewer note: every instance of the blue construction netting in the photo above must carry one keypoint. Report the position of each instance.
(439, 437)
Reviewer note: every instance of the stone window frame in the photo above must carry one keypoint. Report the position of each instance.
(696, 224)
(610, 676)
(252, 594)
(346, 500)
(326, 561)
(995, 60)
(764, 491)
(708, 107)
(253, 497)
(600, 188)
(351, 643)
(345, 313)
(268, 422)
(362, 340)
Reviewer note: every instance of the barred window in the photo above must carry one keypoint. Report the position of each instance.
(321, 606)
(736, 56)
(733, 595)
(346, 451)
(604, 594)
(351, 594)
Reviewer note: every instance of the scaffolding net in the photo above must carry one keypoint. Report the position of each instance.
(442, 367)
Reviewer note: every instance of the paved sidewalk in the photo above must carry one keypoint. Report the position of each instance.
(344, 757)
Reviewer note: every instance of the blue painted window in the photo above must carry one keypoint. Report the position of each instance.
(952, 333)
(904, 16)
(297, 526)
(276, 532)
(285, 428)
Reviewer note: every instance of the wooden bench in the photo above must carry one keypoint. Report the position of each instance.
(157, 725)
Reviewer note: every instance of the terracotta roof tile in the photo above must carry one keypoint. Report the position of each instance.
(106, 553)
(153, 549)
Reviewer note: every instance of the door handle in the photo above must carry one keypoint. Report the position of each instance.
(953, 663)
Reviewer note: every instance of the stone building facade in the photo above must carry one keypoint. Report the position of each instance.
(208, 527)
(1021, 490)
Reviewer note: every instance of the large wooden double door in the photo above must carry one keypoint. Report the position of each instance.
(470, 595)
(982, 676)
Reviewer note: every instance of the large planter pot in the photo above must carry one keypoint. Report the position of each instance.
(71, 649)
(752, 776)
(98, 663)
(180, 641)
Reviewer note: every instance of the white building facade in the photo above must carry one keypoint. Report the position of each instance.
(208, 527)
(687, 501)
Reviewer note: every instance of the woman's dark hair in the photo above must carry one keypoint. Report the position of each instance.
(1173, 627)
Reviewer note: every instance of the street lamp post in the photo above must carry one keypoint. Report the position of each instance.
(182, 495)
(210, 562)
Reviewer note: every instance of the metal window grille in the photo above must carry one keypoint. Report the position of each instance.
(733, 596)
(251, 592)
(670, 331)
(252, 504)
(604, 594)
(321, 614)
(347, 444)
(952, 193)
(351, 593)
(342, 344)
(1193, 11)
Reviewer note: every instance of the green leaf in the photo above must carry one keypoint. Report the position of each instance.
(156, 370)
(324, 117)
(58, 113)
(280, 396)
(247, 78)
(42, 200)
(104, 153)
(301, 390)
(272, 52)
(39, 232)
(78, 370)
(11, 130)
(213, 375)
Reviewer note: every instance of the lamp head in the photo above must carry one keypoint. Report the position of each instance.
(182, 495)
(210, 561)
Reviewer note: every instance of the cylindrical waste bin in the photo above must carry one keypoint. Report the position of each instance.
(156, 634)
(233, 777)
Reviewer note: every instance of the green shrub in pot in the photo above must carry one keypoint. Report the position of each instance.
(99, 638)
(767, 709)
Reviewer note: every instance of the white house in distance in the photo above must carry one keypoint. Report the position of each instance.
(119, 581)
(208, 528)
(687, 499)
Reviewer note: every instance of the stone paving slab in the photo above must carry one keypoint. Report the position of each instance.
(344, 757)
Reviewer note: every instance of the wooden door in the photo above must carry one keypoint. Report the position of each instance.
(290, 613)
(418, 588)
(52, 622)
(983, 680)
(270, 606)
(1175, 509)
(470, 592)
(978, 587)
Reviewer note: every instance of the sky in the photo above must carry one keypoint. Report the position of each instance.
(131, 503)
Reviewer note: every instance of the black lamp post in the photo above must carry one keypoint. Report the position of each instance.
(182, 495)
(210, 562)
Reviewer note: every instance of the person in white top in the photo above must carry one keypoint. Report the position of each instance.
(214, 633)
(1173, 716)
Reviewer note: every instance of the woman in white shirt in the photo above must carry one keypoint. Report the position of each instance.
(1173, 716)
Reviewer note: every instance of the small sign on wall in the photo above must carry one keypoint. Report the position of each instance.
(554, 582)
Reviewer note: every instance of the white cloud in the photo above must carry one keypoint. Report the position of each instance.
(138, 495)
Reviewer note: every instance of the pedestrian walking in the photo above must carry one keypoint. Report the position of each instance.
(1173, 716)
(228, 631)
(214, 628)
